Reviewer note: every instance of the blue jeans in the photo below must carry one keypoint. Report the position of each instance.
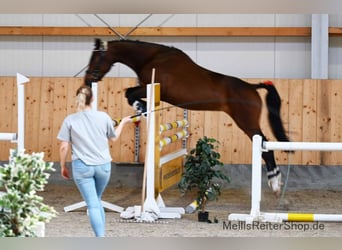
(91, 181)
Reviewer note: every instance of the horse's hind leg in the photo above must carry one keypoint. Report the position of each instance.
(273, 171)
(249, 123)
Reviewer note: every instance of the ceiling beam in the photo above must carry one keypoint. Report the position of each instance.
(159, 31)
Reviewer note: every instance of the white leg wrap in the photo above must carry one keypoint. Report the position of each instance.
(136, 105)
(275, 183)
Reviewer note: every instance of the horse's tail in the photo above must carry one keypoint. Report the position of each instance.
(273, 103)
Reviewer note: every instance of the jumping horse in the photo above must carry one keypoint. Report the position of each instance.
(186, 84)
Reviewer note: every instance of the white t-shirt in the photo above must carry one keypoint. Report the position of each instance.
(88, 132)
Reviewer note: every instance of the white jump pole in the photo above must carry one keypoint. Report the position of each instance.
(105, 204)
(314, 146)
(256, 214)
(8, 137)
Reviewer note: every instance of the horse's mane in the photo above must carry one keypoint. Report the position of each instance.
(158, 48)
(149, 44)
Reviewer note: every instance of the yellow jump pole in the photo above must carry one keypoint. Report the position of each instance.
(302, 217)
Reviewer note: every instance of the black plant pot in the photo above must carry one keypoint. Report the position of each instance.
(203, 216)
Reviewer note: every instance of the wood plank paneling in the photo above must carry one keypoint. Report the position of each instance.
(126, 140)
(324, 104)
(46, 117)
(111, 99)
(8, 111)
(336, 118)
(224, 128)
(196, 130)
(310, 111)
(32, 115)
(309, 115)
(59, 110)
(295, 116)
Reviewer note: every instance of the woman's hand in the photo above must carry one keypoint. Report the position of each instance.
(65, 173)
(119, 128)
(126, 119)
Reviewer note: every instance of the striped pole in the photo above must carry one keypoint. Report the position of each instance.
(300, 217)
(170, 139)
(134, 119)
(173, 125)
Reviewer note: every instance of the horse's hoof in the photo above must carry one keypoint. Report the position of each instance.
(284, 205)
(278, 192)
(275, 184)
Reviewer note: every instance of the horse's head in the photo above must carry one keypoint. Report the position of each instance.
(98, 65)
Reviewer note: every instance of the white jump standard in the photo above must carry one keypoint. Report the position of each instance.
(160, 172)
(20, 135)
(256, 215)
(153, 161)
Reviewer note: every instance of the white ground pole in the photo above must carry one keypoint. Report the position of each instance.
(256, 214)
(105, 204)
(20, 135)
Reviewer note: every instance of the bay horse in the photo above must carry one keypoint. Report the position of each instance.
(187, 85)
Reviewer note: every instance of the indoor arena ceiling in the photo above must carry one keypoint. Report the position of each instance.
(171, 6)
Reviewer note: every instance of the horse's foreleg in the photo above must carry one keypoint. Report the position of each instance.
(140, 106)
(134, 96)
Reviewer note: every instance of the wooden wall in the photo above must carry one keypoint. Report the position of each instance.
(311, 110)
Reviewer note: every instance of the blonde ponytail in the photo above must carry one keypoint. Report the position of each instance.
(83, 97)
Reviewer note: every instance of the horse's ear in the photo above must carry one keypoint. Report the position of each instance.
(98, 43)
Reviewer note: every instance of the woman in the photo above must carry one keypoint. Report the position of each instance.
(87, 133)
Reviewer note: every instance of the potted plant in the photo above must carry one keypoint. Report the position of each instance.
(201, 171)
(22, 211)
